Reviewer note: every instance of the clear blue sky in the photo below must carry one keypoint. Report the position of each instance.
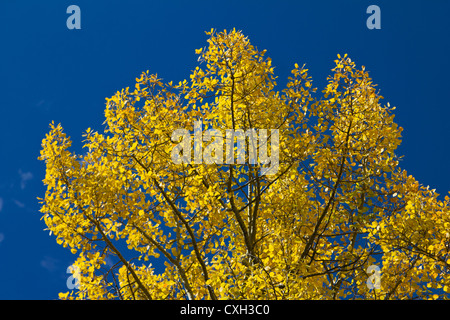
(48, 72)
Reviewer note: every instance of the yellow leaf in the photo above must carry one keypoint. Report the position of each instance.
(63, 295)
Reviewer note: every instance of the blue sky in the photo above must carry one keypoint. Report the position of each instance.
(48, 72)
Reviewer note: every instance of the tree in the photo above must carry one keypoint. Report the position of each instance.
(146, 226)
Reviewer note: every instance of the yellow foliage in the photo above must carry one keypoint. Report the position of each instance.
(338, 203)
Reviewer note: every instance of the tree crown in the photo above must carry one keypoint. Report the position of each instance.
(336, 203)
